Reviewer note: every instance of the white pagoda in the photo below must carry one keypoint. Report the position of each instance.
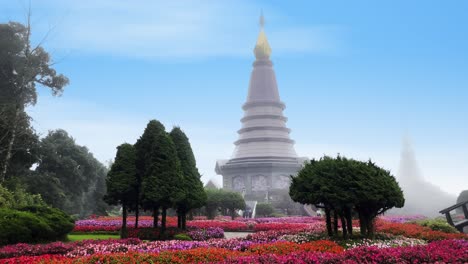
(264, 157)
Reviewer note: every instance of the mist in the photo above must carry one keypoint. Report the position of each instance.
(421, 196)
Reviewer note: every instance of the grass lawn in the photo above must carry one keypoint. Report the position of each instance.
(79, 237)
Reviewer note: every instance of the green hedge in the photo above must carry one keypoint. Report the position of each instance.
(33, 224)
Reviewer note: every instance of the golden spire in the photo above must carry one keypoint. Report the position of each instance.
(262, 49)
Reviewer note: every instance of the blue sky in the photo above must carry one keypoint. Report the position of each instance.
(356, 76)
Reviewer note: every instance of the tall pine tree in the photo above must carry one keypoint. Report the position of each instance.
(143, 148)
(122, 182)
(162, 185)
(195, 193)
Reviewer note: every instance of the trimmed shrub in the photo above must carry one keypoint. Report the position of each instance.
(60, 222)
(264, 209)
(33, 224)
(17, 226)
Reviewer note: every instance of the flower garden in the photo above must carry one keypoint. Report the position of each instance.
(272, 240)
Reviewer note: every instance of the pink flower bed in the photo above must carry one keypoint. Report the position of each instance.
(446, 251)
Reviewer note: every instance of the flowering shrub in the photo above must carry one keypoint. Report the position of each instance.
(205, 234)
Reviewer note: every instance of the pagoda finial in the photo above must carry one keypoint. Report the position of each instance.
(262, 20)
(262, 49)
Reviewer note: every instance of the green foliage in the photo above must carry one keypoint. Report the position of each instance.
(182, 236)
(121, 180)
(18, 198)
(80, 237)
(68, 176)
(22, 67)
(33, 225)
(225, 201)
(341, 184)
(213, 202)
(195, 196)
(264, 209)
(159, 171)
(60, 222)
(438, 224)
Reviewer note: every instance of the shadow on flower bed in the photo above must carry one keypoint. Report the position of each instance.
(153, 234)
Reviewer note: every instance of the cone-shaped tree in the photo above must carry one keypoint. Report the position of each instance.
(122, 182)
(144, 147)
(162, 185)
(193, 187)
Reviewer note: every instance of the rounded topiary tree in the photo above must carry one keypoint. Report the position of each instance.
(264, 209)
(341, 185)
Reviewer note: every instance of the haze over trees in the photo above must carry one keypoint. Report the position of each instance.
(23, 67)
(342, 186)
(57, 170)
(68, 176)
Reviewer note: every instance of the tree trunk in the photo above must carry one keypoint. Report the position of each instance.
(370, 227)
(335, 222)
(137, 212)
(163, 220)
(179, 219)
(123, 232)
(343, 225)
(155, 216)
(190, 216)
(184, 221)
(233, 214)
(362, 223)
(8, 155)
(349, 220)
(328, 221)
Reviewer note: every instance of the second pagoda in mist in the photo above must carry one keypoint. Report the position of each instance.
(264, 155)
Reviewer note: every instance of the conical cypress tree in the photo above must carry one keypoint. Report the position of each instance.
(122, 182)
(144, 147)
(195, 193)
(162, 185)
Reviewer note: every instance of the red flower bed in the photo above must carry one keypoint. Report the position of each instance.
(446, 251)
(280, 226)
(415, 231)
(282, 248)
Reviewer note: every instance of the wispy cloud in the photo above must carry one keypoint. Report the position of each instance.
(176, 29)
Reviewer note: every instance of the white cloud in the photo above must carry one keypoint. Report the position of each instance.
(175, 29)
